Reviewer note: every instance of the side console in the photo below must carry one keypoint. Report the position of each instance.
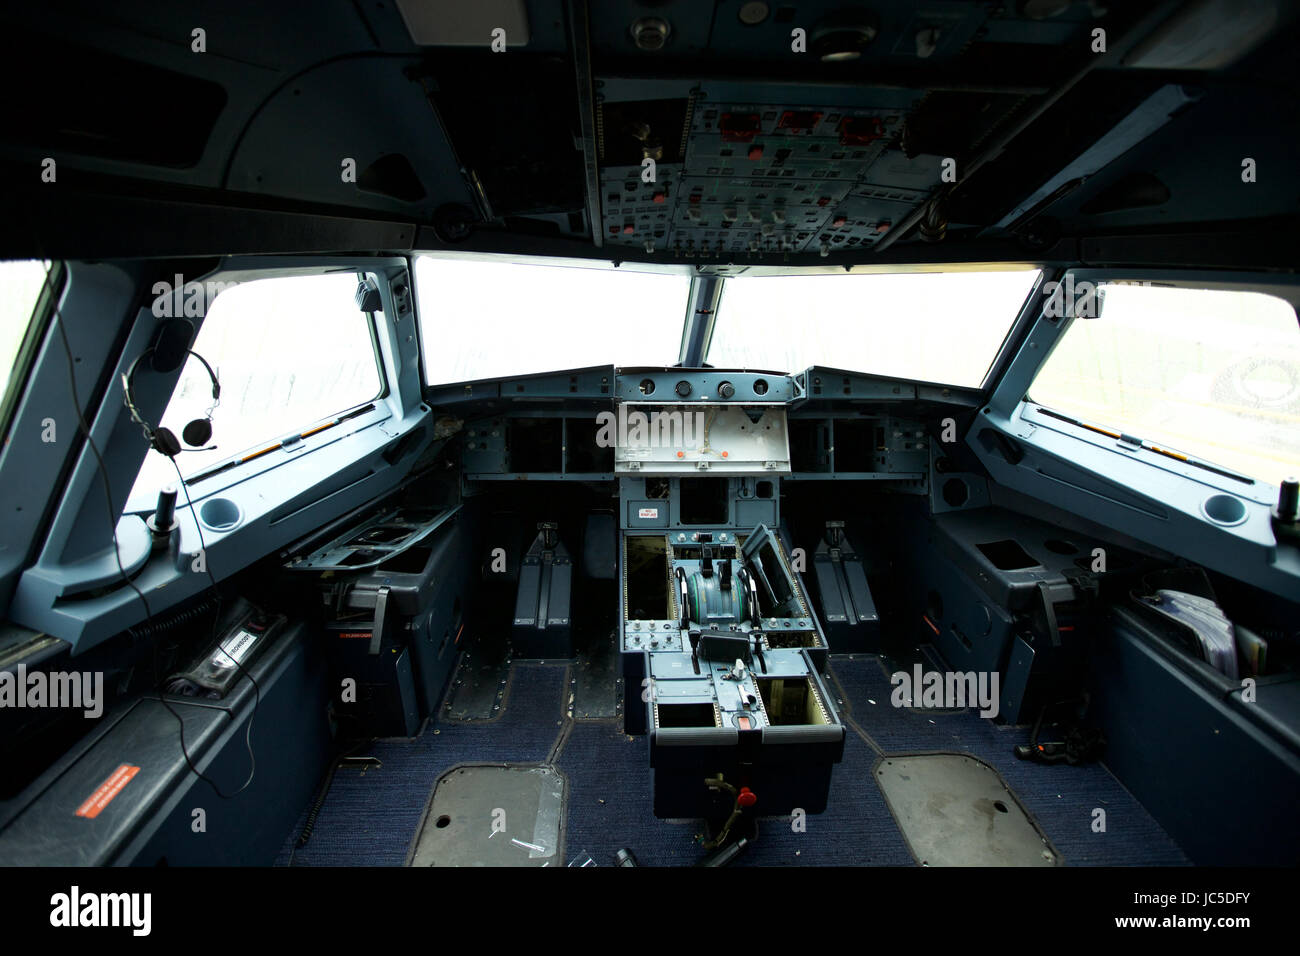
(391, 585)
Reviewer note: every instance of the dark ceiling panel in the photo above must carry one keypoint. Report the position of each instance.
(285, 93)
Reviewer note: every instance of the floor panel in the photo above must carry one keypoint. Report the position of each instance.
(372, 817)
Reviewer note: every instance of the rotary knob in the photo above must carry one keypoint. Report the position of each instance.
(726, 390)
(683, 388)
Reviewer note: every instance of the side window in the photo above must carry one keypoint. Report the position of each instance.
(1212, 374)
(289, 352)
(21, 285)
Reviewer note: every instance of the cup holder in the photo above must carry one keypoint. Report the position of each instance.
(220, 514)
(1224, 510)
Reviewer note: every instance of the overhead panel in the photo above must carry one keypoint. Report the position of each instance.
(789, 159)
(760, 178)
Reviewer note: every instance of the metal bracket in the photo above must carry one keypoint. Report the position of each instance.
(381, 614)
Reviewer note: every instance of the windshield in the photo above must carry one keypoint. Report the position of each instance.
(494, 319)
(943, 327)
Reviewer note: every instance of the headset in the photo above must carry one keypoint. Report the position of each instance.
(164, 350)
(171, 346)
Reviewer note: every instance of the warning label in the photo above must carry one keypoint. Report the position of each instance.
(106, 791)
(233, 651)
(648, 513)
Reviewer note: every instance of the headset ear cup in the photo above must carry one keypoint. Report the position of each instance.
(197, 432)
(165, 443)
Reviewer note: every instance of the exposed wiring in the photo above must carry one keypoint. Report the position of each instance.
(257, 690)
(340, 758)
(187, 616)
(706, 448)
(717, 783)
(126, 578)
(85, 430)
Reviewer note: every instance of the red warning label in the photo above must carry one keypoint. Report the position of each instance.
(106, 791)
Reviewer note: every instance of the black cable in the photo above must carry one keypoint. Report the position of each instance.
(304, 836)
(316, 807)
(85, 430)
(216, 619)
(175, 619)
(126, 578)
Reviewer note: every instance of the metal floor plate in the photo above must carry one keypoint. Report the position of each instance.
(478, 687)
(955, 811)
(595, 687)
(493, 816)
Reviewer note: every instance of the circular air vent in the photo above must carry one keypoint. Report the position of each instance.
(650, 33)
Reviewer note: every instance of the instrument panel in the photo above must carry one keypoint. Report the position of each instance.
(673, 385)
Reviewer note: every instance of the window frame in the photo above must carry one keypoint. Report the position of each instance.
(38, 324)
(1202, 470)
(229, 472)
(1149, 499)
(1025, 310)
(68, 584)
(598, 265)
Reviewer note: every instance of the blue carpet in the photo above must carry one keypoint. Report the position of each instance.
(1061, 798)
(611, 807)
(371, 818)
(611, 803)
(855, 830)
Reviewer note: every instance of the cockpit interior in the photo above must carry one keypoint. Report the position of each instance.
(650, 433)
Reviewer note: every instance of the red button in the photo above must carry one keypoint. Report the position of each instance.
(628, 230)
(756, 152)
(839, 221)
(746, 797)
(660, 197)
(742, 723)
